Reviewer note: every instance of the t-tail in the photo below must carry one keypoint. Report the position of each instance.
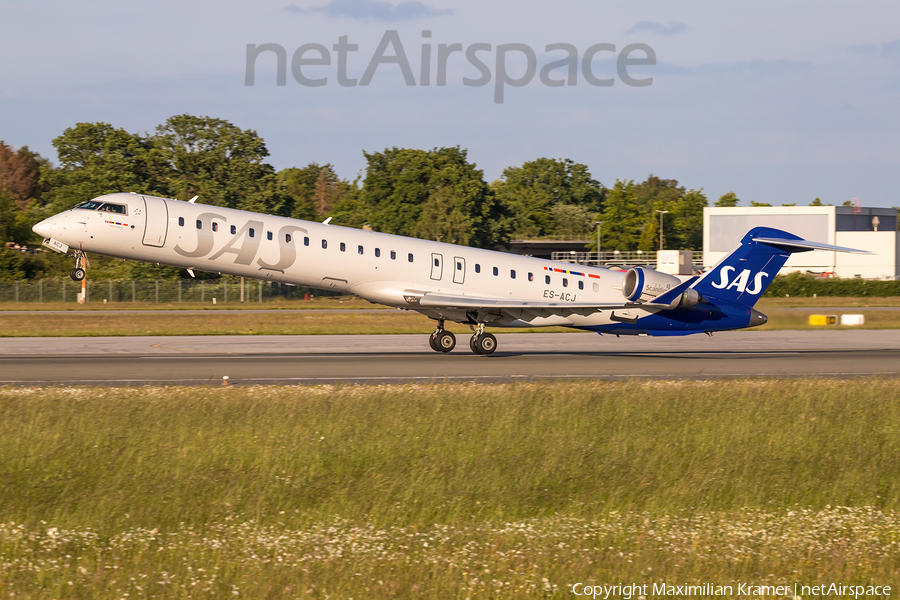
(743, 276)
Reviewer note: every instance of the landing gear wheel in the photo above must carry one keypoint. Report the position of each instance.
(432, 341)
(483, 343)
(444, 341)
(77, 274)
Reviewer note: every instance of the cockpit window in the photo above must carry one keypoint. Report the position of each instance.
(89, 205)
(120, 209)
(114, 208)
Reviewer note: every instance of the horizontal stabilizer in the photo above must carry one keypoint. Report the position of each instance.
(804, 245)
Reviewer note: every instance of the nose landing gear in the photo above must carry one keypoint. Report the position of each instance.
(79, 273)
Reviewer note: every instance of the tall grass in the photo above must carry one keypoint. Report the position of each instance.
(446, 491)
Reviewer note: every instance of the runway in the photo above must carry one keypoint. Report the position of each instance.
(361, 359)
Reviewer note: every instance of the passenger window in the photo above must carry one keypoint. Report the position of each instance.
(547, 279)
(268, 235)
(512, 274)
(199, 224)
(410, 257)
(596, 287)
(531, 277)
(496, 271)
(287, 238)
(233, 229)
(324, 243)
(215, 226)
(306, 241)
(565, 282)
(377, 252)
(343, 247)
(181, 221)
(359, 250)
(252, 232)
(477, 268)
(580, 285)
(393, 255)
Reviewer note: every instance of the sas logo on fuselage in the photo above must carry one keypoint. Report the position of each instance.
(740, 282)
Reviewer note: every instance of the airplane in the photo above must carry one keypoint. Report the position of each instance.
(445, 282)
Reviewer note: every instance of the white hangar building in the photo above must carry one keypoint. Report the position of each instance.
(872, 229)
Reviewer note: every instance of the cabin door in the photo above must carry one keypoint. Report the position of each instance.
(156, 221)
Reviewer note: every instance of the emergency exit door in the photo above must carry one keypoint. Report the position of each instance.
(459, 269)
(437, 266)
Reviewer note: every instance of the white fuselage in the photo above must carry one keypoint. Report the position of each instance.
(379, 267)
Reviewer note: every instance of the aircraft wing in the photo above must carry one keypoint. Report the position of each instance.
(515, 307)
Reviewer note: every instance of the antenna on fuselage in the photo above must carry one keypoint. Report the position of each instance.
(326, 221)
(192, 200)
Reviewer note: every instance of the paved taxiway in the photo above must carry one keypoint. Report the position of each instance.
(402, 358)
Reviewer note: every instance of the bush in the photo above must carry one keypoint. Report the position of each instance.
(799, 284)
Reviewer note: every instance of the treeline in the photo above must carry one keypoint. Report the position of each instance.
(434, 194)
(801, 285)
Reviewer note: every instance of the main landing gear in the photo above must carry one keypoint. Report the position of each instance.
(482, 342)
(79, 273)
(444, 341)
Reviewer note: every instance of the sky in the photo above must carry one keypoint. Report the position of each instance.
(780, 102)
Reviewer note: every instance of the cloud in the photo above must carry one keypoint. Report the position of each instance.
(673, 28)
(372, 10)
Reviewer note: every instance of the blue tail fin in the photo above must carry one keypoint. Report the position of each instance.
(744, 275)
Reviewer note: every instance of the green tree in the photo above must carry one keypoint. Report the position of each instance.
(313, 190)
(755, 203)
(649, 240)
(816, 202)
(219, 162)
(96, 159)
(572, 222)
(400, 183)
(655, 193)
(687, 214)
(729, 199)
(443, 220)
(530, 192)
(621, 221)
(10, 264)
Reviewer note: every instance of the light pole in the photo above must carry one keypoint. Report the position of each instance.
(661, 213)
(599, 224)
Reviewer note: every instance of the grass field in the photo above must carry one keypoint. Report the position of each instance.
(90, 322)
(446, 491)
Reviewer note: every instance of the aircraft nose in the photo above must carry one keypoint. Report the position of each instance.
(44, 229)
